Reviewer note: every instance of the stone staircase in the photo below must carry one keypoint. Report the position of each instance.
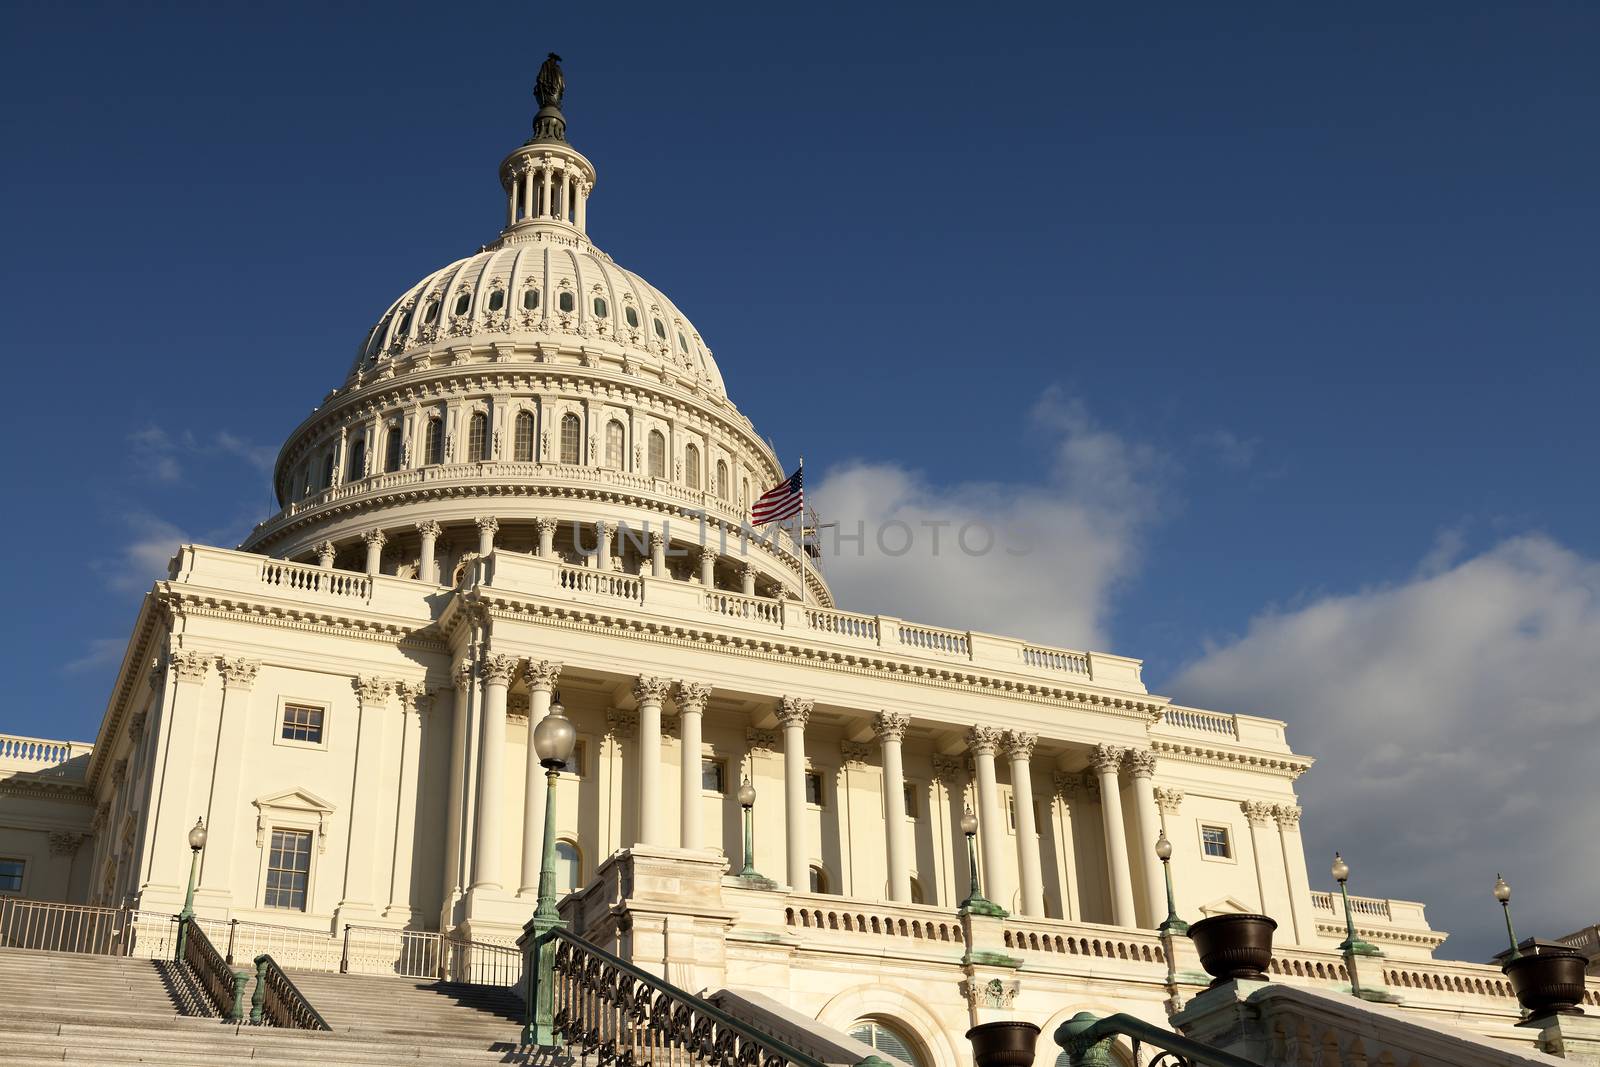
(74, 1008)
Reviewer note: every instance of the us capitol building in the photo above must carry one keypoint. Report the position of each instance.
(531, 485)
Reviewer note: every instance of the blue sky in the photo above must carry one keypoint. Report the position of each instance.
(1272, 331)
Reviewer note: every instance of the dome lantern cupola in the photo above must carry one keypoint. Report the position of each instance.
(547, 180)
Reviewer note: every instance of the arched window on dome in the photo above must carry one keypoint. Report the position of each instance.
(658, 454)
(433, 442)
(566, 302)
(358, 460)
(661, 330)
(497, 300)
(614, 445)
(744, 492)
(691, 466)
(463, 302)
(571, 439)
(601, 308)
(522, 443)
(530, 299)
(631, 315)
(722, 480)
(328, 466)
(430, 314)
(478, 438)
(391, 449)
(889, 1041)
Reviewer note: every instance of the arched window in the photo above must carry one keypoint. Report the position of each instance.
(433, 442)
(632, 316)
(463, 302)
(658, 454)
(391, 453)
(570, 434)
(916, 892)
(530, 299)
(569, 867)
(819, 879)
(691, 466)
(614, 438)
(522, 445)
(566, 302)
(744, 491)
(600, 308)
(497, 300)
(431, 312)
(478, 438)
(887, 1040)
(722, 480)
(358, 460)
(327, 468)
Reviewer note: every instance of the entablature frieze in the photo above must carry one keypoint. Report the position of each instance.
(1290, 766)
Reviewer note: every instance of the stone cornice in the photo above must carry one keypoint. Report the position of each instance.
(1425, 938)
(75, 790)
(1288, 766)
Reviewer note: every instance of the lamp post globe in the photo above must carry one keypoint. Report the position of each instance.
(1341, 869)
(747, 801)
(969, 823)
(197, 835)
(975, 901)
(197, 842)
(1351, 943)
(1172, 925)
(1502, 893)
(554, 738)
(747, 794)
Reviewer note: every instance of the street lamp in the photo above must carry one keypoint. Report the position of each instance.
(1173, 925)
(554, 738)
(975, 901)
(1351, 943)
(747, 801)
(197, 843)
(1502, 893)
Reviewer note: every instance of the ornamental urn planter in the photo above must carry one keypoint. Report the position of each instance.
(1548, 980)
(1234, 946)
(1007, 1043)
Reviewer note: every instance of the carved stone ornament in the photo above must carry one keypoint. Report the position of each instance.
(541, 675)
(1066, 784)
(326, 550)
(65, 844)
(1107, 759)
(705, 553)
(157, 672)
(621, 724)
(517, 706)
(498, 668)
(136, 727)
(487, 524)
(949, 769)
(372, 692)
(855, 754)
(1141, 763)
(101, 814)
(374, 537)
(414, 696)
(761, 740)
(1168, 799)
(658, 540)
(1019, 745)
(190, 666)
(983, 740)
(1091, 785)
(239, 673)
(546, 525)
(994, 993)
(1288, 816)
(890, 726)
(648, 689)
(691, 697)
(462, 675)
(794, 711)
(1258, 812)
(430, 528)
(119, 771)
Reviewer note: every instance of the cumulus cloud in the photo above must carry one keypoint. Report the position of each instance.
(1454, 716)
(143, 557)
(1036, 559)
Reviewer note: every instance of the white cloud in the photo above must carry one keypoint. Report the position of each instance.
(1035, 560)
(142, 558)
(1454, 716)
(261, 457)
(100, 652)
(1231, 451)
(154, 454)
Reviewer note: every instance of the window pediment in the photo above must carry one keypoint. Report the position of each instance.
(292, 807)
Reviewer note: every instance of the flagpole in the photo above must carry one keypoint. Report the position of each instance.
(801, 470)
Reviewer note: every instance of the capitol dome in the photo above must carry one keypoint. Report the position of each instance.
(536, 397)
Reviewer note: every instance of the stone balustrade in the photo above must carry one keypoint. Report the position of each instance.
(41, 755)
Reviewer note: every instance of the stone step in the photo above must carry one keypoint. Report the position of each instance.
(218, 1043)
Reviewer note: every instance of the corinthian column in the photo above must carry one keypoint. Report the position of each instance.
(430, 531)
(375, 540)
(708, 565)
(793, 713)
(1019, 750)
(361, 859)
(414, 701)
(1142, 764)
(658, 555)
(497, 672)
(487, 525)
(325, 553)
(982, 743)
(541, 678)
(890, 728)
(1294, 866)
(1107, 759)
(222, 814)
(455, 802)
(547, 536)
(691, 697)
(650, 692)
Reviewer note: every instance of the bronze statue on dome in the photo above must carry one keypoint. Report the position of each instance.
(550, 85)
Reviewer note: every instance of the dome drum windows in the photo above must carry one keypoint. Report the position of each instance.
(615, 445)
(358, 460)
(478, 437)
(658, 454)
(522, 440)
(530, 298)
(571, 439)
(691, 466)
(631, 316)
(566, 302)
(430, 314)
(433, 442)
(600, 307)
(497, 300)
(463, 304)
(393, 448)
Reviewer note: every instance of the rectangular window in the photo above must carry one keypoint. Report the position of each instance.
(288, 870)
(578, 760)
(713, 776)
(1214, 840)
(814, 788)
(301, 722)
(911, 800)
(11, 876)
(1011, 812)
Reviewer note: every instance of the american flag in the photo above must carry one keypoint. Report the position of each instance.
(782, 501)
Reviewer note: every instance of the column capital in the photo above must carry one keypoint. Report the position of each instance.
(794, 711)
(648, 689)
(155, 675)
(983, 740)
(63, 844)
(487, 523)
(853, 753)
(119, 771)
(621, 724)
(948, 769)
(190, 666)
(704, 553)
(1107, 759)
(657, 540)
(748, 570)
(136, 727)
(327, 549)
(1258, 812)
(1168, 799)
(1288, 816)
(1065, 783)
(375, 537)
(414, 696)
(239, 674)
(430, 528)
(372, 691)
(1018, 744)
(462, 675)
(546, 525)
(1141, 762)
(761, 740)
(890, 726)
(541, 675)
(603, 528)
(691, 697)
(498, 668)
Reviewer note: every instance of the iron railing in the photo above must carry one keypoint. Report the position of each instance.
(41, 925)
(277, 1001)
(213, 972)
(1090, 1046)
(628, 1017)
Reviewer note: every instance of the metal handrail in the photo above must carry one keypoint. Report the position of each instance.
(671, 1014)
(216, 977)
(1177, 1050)
(278, 1001)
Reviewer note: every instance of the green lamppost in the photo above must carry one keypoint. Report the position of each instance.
(1351, 943)
(975, 902)
(1173, 925)
(197, 842)
(747, 801)
(553, 741)
(1502, 893)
